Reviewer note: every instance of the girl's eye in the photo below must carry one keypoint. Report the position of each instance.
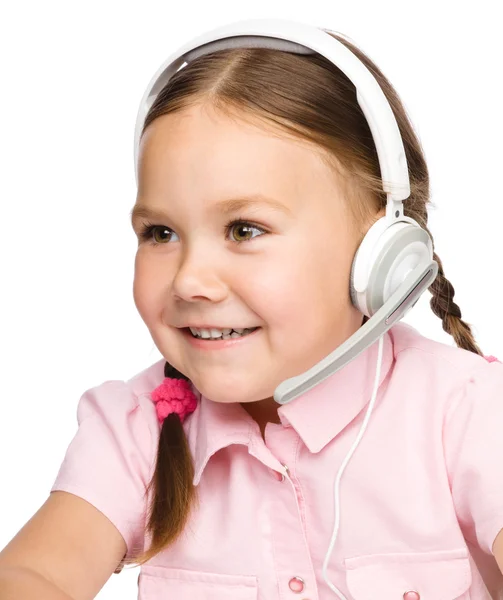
(244, 226)
(148, 232)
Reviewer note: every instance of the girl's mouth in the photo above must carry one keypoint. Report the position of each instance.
(219, 343)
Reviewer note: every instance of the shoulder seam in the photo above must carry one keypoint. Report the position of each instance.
(153, 450)
(450, 408)
(456, 367)
(455, 402)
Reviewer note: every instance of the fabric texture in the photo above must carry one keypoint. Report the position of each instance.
(421, 499)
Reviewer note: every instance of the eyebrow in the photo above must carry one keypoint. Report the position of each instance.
(225, 207)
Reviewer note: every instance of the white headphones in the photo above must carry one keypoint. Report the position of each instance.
(389, 251)
(394, 263)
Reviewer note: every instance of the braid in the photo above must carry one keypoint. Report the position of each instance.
(173, 491)
(447, 310)
(442, 303)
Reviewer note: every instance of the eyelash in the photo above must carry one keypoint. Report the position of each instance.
(147, 229)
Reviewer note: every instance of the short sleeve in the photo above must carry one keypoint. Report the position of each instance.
(110, 460)
(473, 442)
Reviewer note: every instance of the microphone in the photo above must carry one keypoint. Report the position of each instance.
(394, 309)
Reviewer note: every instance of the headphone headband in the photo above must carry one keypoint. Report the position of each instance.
(291, 36)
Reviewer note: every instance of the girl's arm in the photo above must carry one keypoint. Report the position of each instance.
(473, 449)
(67, 551)
(498, 550)
(18, 583)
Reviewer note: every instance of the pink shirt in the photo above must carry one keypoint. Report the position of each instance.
(421, 499)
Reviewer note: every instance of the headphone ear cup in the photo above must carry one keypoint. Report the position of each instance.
(352, 291)
(399, 249)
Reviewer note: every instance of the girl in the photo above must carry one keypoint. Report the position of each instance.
(258, 178)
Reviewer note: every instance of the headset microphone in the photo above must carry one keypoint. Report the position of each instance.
(393, 310)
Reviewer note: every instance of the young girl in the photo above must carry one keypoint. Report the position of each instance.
(258, 178)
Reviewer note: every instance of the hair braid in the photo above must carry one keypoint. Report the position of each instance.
(445, 308)
(442, 303)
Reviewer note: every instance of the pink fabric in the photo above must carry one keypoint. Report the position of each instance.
(174, 396)
(491, 359)
(421, 498)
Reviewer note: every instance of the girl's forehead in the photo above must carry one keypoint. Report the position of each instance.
(231, 165)
(196, 130)
(237, 166)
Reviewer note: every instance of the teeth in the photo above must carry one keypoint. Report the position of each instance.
(218, 333)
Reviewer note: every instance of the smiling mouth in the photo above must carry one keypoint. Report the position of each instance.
(231, 336)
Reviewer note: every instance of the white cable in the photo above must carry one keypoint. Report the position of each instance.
(339, 474)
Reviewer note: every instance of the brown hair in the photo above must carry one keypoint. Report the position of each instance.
(309, 98)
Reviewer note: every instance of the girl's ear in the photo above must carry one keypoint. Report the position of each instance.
(378, 215)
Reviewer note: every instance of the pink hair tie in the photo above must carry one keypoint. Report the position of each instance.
(174, 395)
(491, 359)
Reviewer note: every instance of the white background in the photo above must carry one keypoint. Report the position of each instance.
(72, 77)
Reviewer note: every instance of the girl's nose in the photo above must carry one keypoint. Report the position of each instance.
(198, 279)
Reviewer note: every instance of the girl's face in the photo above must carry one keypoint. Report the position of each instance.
(285, 270)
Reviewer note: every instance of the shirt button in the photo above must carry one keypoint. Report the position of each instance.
(411, 596)
(279, 476)
(296, 584)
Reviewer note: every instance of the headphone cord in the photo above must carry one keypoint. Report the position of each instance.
(339, 474)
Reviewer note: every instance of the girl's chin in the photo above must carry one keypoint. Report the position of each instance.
(223, 394)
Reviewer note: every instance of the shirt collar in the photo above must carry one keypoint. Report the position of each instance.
(318, 415)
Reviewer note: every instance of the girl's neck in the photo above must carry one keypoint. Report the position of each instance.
(263, 412)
